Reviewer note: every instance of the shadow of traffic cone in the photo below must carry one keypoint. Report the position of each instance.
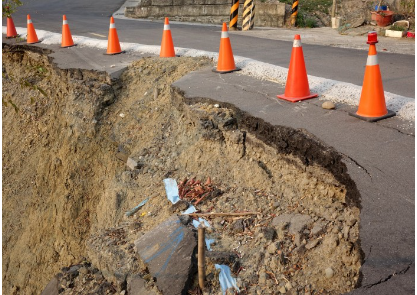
(31, 33)
(66, 34)
(226, 61)
(113, 45)
(167, 45)
(372, 103)
(11, 29)
(297, 88)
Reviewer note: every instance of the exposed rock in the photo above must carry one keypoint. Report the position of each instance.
(269, 233)
(329, 272)
(168, 252)
(222, 257)
(136, 285)
(238, 226)
(312, 244)
(297, 222)
(317, 228)
(132, 164)
(328, 105)
(52, 287)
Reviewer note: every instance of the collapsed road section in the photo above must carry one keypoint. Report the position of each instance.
(81, 149)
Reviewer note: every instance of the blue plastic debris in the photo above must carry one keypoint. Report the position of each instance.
(171, 189)
(134, 210)
(201, 220)
(225, 278)
(209, 242)
(190, 210)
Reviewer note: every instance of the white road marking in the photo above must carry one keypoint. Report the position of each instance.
(99, 35)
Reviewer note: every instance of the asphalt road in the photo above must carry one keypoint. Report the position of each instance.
(91, 19)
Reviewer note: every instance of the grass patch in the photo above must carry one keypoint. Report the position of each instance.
(310, 6)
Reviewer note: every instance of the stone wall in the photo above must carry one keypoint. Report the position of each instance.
(206, 11)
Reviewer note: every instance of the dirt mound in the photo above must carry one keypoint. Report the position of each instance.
(66, 183)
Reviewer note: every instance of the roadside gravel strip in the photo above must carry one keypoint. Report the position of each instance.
(336, 91)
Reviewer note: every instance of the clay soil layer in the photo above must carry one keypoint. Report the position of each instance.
(67, 135)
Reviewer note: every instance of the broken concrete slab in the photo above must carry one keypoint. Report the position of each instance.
(168, 251)
(136, 285)
(297, 222)
(52, 287)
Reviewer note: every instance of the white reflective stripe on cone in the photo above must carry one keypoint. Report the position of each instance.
(65, 22)
(29, 21)
(166, 27)
(225, 34)
(112, 26)
(372, 60)
(297, 43)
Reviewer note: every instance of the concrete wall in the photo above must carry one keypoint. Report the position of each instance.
(206, 11)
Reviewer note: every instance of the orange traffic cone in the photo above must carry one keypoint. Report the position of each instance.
(372, 103)
(31, 36)
(66, 34)
(113, 45)
(297, 88)
(11, 29)
(167, 46)
(226, 61)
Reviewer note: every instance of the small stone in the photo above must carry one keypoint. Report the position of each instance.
(312, 244)
(328, 105)
(83, 270)
(123, 292)
(181, 205)
(329, 272)
(132, 164)
(282, 290)
(297, 239)
(238, 226)
(262, 277)
(317, 229)
(288, 285)
(122, 115)
(272, 248)
(216, 105)
(269, 233)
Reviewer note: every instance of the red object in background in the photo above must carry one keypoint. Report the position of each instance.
(383, 18)
(411, 35)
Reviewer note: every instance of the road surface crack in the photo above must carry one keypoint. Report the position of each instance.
(401, 272)
(359, 165)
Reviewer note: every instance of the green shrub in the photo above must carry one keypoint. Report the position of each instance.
(398, 28)
(305, 22)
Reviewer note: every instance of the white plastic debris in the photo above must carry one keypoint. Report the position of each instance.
(171, 189)
(226, 279)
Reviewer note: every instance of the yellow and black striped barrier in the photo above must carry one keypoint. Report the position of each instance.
(234, 10)
(248, 15)
(294, 12)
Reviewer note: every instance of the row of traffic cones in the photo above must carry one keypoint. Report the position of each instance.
(372, 105)
(113, 46)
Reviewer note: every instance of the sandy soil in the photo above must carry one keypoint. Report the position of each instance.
(68, 133)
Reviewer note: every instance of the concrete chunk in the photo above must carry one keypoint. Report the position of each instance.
(168, 252)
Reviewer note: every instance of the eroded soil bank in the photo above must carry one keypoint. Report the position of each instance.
(67, 135)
